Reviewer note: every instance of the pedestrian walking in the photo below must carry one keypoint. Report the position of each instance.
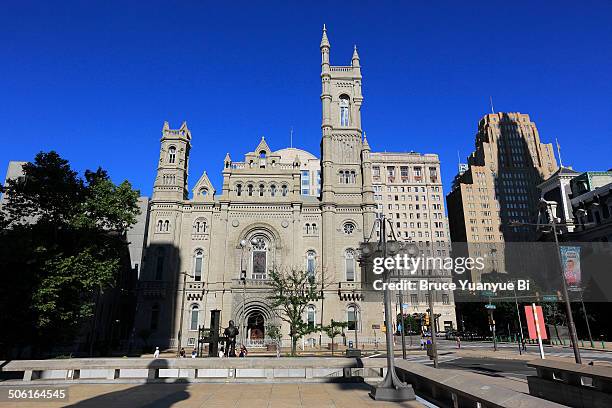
(243, 351)
(458, 342)
(182, 353)
(194, 353)
(221, 353)
(156, 353)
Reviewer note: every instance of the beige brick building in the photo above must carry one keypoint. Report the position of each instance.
(279, 209)
(499, 186)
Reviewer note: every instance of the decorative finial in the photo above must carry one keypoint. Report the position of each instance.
(559, 153)
(324, 40)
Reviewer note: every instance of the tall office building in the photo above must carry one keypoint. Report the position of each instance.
(500, 186)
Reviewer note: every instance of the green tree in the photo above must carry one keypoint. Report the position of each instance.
(333, 330)
(274, 332)
(291, 291)
(60, 248)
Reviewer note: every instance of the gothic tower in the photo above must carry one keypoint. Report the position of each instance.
(345, 163)
(172, 168)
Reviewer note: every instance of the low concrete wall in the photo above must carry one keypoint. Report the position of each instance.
(131, 370)
(457, 389)
(574, 384)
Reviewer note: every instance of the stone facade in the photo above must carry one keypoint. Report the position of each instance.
(276, 209)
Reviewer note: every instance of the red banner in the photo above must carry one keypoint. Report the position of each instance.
(533, 335)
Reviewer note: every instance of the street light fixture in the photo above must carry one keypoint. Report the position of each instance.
(548, 206)
(391, 388)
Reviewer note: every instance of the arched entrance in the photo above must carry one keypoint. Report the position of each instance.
(255, 327)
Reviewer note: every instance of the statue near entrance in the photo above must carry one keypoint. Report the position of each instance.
(230, 332)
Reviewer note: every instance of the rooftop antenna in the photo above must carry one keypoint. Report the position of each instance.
(491, 101)
(458, 158)
(559, 152)
(291, 137)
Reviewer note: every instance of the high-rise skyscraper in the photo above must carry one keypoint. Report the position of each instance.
(499, 187)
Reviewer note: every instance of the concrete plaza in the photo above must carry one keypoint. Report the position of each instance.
(183, 395)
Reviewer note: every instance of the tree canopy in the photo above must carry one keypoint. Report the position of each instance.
(61, 245)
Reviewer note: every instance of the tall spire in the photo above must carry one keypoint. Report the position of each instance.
(324, 40)
(355, 60)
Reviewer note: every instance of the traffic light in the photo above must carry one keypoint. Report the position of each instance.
(427, 320)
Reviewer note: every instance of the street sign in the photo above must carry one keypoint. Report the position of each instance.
(550, 298)
(488, 293)
(376, 327)
(489, 306)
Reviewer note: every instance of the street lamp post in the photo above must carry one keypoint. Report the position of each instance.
(180, 333)
(548, 206)
(391, 388)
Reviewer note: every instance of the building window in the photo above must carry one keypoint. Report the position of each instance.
(445, 299)
(239, 190)
(310, 316)
(195, 314)
(344, 110)
(351, 318)
(160, 225)
(311, 265)
(261, 190)
(166, 226)
(250, 190)
(273, 190)
(199, 226)
(349, 262)
(197, 265)
(414, 299)
(159, 265)
(348, 228)
(285, 190)
(259, 249)
(154, 317)
(172, 154)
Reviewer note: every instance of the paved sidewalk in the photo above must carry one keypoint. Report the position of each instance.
(183, 395)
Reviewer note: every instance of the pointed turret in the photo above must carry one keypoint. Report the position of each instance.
(355, 59)
(324, 40)
(166, 126)
(227, 161)
(366, 145)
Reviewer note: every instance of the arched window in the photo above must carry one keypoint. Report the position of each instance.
(311, 316)
(239, 190)
(285, 190)
(352, 317)
(198, 261)
(261, 190)
(344, 110)
(262, 158)
(341, 176)
(273, 190)
(349, 265)
(160, 225)
(353, 178)
(154, 317)
(195, 314)
(307, 228)
(203, 191)
(172, 154)
(166, 226)
(250, 190)
(311, 264)
(259, 250)
(199, 226)
(159, 263)
(314, 228)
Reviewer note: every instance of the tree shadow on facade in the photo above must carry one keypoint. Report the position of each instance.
(152, 394)
(158, 294)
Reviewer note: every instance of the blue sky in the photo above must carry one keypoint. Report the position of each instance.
(96, 80)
